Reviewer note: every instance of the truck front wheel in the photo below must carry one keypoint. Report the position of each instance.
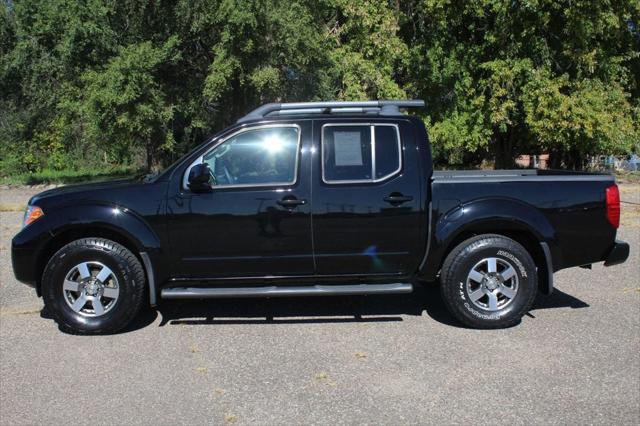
(489, 281)
(93, 286)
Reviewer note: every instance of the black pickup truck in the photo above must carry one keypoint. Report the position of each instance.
(303, 199)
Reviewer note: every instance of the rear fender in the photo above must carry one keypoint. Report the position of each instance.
(489, 215)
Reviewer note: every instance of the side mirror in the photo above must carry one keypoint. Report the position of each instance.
(199, 177)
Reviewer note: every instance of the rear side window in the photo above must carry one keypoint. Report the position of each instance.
(347, 153)
(387, 147)
(360, 152)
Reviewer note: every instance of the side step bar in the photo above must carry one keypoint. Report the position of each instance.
(282, 291)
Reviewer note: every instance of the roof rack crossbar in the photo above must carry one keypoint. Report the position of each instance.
(386, 107)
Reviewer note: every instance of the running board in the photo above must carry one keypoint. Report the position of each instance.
(283, 291)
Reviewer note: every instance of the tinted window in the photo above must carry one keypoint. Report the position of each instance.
(255, 157)
(387, 151)
(347, 153)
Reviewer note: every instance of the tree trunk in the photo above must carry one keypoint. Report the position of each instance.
(504, 151)
(555, 159)
(149, 158)
(151, 155)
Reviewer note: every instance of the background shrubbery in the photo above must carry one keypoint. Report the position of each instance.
(91, 86)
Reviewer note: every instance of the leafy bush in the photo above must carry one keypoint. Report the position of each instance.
(96, 85)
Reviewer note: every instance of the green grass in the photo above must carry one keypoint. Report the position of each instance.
(68, 176)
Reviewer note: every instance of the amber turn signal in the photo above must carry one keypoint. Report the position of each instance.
(32, 214)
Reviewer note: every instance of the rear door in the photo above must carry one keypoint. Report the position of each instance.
(366, 198)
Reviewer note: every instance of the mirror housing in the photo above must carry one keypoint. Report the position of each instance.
(199, 177)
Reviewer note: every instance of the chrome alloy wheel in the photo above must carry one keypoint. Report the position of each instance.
(492, 284)
(91, 289)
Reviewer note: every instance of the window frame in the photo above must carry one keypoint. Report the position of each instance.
(200, 159)
(372, 128)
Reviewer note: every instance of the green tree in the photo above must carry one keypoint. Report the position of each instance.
(124, 104)
(487, 67)
(367, 54)
(96, 83)
(50, 44)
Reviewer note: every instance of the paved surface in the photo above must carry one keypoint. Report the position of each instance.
(393, 360)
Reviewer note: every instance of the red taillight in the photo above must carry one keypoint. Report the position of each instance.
(613, 205)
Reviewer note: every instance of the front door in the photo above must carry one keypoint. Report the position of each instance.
(256, 220)
(366, 198)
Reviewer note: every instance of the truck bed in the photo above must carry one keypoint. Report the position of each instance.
(571, 205)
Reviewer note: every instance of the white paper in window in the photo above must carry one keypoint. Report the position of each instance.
(347, 148)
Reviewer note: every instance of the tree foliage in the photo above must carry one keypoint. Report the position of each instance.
(94, 83)
(509, 77)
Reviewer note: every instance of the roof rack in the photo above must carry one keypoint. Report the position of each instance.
(381, 107)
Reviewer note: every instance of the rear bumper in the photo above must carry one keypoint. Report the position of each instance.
(618, 254)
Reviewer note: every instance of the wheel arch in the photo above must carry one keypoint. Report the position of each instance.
(69, 235)
(122, 227)
(509, 218)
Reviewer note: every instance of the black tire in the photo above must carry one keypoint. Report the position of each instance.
(471, 253)
(126, 268)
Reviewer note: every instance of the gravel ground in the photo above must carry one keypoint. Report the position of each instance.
(379, 360)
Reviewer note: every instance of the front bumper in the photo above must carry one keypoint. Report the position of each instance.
(618, 254)
(23, 264)
(25, 248)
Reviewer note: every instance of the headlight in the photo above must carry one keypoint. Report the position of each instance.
(32, 214)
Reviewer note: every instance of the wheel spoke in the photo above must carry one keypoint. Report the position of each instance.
(110, 292)
(71, 285)
(79, 303)
(104, 274)
(507, 291)
(498, 281)
(492, 265)
(98, 309)
(83, 269)
(508, 273)
(493, 301)
(476, 276)
(476, 295)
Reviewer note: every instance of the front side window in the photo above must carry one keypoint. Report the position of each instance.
(255, 157)
(360, 152)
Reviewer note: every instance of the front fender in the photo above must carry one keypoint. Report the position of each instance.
(490, 215)
(105, 216)
(34, 243)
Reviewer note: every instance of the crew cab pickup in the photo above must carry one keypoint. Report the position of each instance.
(304, 199)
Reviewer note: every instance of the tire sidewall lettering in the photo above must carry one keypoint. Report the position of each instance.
(514, 259)
(472, 310)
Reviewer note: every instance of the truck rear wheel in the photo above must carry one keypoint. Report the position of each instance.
(489, 281)
(93, 286)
